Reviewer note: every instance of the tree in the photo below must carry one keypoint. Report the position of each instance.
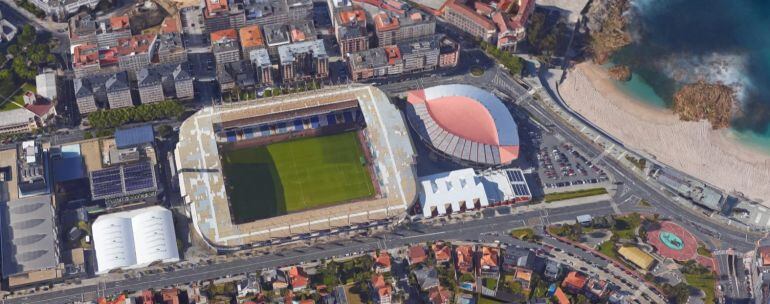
(28, 35)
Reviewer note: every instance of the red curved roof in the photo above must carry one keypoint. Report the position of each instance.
(464, 117)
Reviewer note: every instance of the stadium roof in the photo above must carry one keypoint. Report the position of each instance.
(126, 138)
(28, 243)
(134, 239)
(201, 181)
(464, 122)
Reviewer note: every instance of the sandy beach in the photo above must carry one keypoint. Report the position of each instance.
(692, 147)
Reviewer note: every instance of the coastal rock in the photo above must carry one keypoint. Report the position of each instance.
(712, 101)
(620, 73)
(607, 27)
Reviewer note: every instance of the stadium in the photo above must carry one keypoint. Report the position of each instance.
(295, 166)
(465, 124)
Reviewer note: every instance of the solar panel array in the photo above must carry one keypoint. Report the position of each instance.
(138, 177)
(515, 175)
(106, 182)
(518, 183)
(122, 180)
(520, 190)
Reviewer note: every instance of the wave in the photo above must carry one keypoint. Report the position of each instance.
(727, 69)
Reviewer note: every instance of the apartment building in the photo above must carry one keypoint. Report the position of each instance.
(449, 53)
(220, 15)
(467, 20)
(351, 32)
(85, 59)
(503, 24)
(17, 121)
(82, 29)
(420, 55)
(236, 74)
(276, 35)
(303, 61)
(59, 10)
(134, 53)
(423, 54)
(170, 49)
(375, 63)
(149, 86)
(263, 68)
(225, 46)
(251, 38)
(96, 91)
(175, 80)
(112, 30)
(392, 27)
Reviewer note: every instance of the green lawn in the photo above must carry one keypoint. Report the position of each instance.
(626, 226)
(523, 233)
(16, 101)
(295, 175)
(704, 282)
(559, 196)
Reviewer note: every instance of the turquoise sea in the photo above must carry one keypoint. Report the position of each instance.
(682, 41)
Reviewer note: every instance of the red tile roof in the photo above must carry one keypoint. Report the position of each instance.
(416, 254)
(378, 281)
(384, 22)
(471, 14)
(383, 260)
(349, 16)
(525, 10)
(561, 297)
(169, 25)
(574, 280)
(297, 278)
(464, 258)
(224, 34)
(214, 6)
(393, 54)
(442, 251)
(489, 256)
(119, 22)
(251, 36)
(439, 295)
(136, 44)
(85, 54)
(40, 108)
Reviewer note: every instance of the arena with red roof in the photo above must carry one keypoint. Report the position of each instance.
(465, 123)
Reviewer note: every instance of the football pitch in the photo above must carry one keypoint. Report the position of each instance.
(285, 177)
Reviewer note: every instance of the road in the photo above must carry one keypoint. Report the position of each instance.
(401, 236)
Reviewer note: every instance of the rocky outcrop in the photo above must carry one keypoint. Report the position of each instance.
(712, 101)
(620, 73)
(607, 27)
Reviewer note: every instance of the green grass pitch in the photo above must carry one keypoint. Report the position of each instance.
(296, 175)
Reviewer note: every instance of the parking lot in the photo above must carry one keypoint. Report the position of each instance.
(561, 165)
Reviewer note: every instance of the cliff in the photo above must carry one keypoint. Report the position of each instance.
(620, 73)
(700, 100)
(607, 27)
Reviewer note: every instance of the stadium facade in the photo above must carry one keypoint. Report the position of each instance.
(202, 182)
(465, 124)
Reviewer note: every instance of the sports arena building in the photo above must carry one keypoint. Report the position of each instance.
(382, 134)
(464, 123)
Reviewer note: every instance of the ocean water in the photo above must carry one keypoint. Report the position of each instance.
(682, 41)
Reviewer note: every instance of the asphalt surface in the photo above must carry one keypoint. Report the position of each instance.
(404, 235)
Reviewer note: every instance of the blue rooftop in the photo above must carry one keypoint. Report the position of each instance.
(127, 138)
